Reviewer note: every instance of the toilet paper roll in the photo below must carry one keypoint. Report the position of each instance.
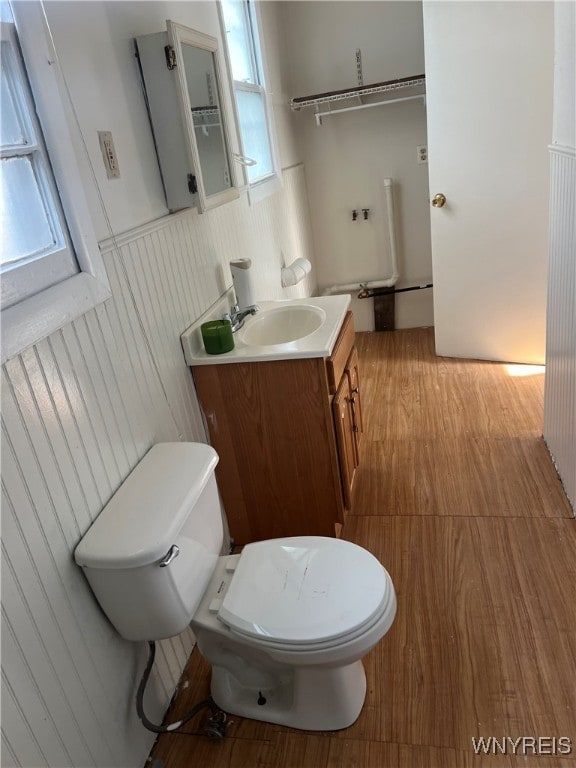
(243, 281)
(296, 272)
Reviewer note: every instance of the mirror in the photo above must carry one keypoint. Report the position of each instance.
(183, 84)
(206, 118)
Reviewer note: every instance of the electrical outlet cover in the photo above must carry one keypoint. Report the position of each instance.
(109, 154)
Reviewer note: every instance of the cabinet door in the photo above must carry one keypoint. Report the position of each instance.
(279, 472)
(355, 402)
(341, 406)
(336, 363)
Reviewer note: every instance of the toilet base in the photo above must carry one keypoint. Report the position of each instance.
(312, 699)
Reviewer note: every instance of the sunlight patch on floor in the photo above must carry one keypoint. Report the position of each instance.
(524, 370)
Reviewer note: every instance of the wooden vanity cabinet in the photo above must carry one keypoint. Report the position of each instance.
(283, 469)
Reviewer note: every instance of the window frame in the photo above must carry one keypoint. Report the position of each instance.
(54, 261)
(32, 319)
(272, 182)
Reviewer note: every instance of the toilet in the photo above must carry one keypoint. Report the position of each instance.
(284, 624)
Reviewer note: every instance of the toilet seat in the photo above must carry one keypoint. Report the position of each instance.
(309, 591)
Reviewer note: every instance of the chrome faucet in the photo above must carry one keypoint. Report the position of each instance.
(236, 316)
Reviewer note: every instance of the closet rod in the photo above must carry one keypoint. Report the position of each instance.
(320, 115)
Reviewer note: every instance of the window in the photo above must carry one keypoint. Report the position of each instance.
(36, 250)
(252, 104)
(49, 261)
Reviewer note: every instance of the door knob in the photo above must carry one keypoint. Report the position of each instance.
(438, 200)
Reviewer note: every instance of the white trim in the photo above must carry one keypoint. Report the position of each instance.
(49, 89)
(559, 149)
(54, 259)
(268, 186)
(263, 188)
(35, 318)
(114, 242)
(178, 35)
(241, 171)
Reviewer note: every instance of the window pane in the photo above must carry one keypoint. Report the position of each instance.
(6, 12)
(24, 220)
(254, 128)
(239, 43)
(11, 128)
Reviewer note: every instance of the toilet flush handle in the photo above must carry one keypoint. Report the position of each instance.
(173, 552)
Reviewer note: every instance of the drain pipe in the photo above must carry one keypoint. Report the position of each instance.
(386, 282)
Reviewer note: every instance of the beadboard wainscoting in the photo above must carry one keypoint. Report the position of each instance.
(79, 410)
(559, 402)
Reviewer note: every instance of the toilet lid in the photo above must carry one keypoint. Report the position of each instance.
(303, 590)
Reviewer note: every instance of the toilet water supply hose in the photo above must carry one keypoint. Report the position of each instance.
(216, 727)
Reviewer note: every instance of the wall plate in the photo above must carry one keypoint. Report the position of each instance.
(109, 154)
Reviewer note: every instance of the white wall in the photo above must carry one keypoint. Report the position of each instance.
(564, 119)
(95, 47)
(347, 158)
(80, 408)
(560, 388)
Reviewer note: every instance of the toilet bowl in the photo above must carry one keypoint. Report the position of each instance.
(284, 642)
(284, 624)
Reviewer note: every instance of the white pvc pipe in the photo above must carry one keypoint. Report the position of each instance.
(387, 282)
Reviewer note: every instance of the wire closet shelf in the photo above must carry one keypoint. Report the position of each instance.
(388, 87)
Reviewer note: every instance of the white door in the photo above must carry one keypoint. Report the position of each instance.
(489, 81)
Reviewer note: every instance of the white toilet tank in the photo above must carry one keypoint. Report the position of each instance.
(169, 504)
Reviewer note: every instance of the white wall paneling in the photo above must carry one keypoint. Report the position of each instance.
(560, 389)
(79, 410)
(74, 423)
(81, 407)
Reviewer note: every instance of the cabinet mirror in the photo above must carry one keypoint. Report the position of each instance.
(183, 83)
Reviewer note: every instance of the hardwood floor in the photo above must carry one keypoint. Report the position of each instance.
(458, 498)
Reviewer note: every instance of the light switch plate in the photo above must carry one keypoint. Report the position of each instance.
(109, 154)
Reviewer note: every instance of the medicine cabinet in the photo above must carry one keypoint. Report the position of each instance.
(183, 84)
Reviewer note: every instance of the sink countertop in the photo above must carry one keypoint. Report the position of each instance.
(320, 343)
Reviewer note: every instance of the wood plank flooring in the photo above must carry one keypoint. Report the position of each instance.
(457, 496)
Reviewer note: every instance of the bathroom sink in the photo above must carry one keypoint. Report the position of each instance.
(282, 325)
(280, 330)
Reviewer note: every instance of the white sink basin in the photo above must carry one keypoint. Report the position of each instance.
(280, 330)
(282, 325)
